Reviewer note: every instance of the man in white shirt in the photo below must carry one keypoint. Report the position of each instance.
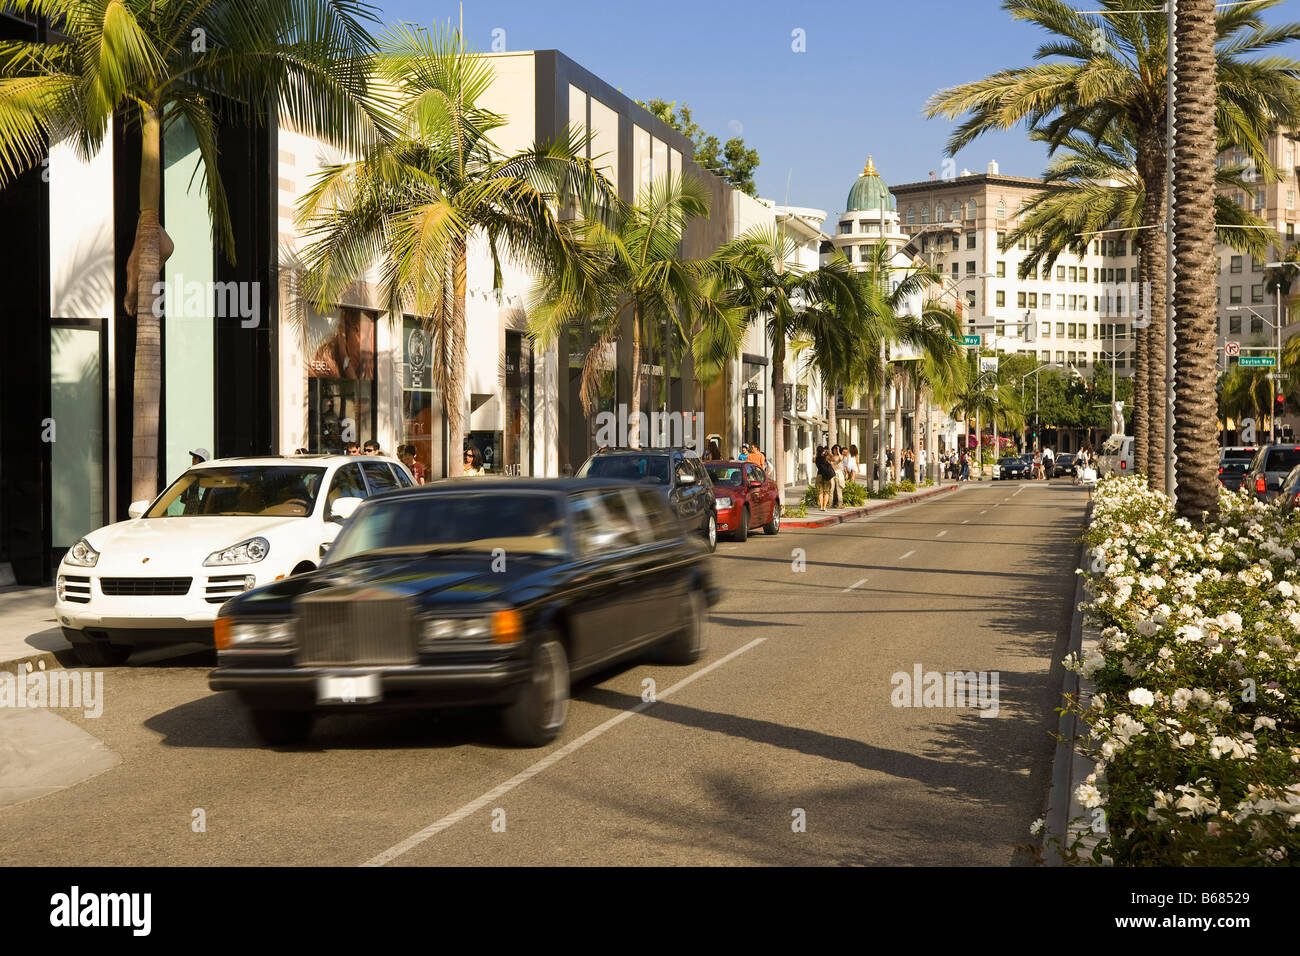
(922, 460)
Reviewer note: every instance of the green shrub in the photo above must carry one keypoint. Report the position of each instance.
(854, 494)
(795, 511)
(907, 486)
(810, 497)
(888, 491)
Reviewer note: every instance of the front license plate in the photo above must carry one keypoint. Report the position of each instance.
(348, 689)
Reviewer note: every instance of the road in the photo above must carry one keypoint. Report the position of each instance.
(781, 746)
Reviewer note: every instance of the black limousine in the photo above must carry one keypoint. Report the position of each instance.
(469, 592)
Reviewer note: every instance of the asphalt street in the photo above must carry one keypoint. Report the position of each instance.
(782, 746)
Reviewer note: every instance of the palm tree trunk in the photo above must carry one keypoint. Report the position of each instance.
(778, 424)
(633, 412)
(1195, 262)
(898, 430)
(832, 424)
(454, 400)
(1151, 165)
(867, 460)
(148, 263)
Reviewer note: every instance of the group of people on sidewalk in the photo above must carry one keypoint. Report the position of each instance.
(834, 468)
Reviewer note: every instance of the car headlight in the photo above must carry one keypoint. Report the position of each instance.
(246, 552)
(81, 555)
(723, 502)
(500, 627)
(231, 632)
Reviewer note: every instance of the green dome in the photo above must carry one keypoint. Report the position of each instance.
(869, 192)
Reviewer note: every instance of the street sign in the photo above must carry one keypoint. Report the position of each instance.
(1232, 348)
(1263, 361)
(1277, 376)
(967, 339)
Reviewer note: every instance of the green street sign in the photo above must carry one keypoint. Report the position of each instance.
(967, 339)
(1265, 361)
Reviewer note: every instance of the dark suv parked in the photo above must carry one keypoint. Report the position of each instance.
(677, 473)
(1234, 462)
(1267, 469)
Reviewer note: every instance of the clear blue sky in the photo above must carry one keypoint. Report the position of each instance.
(813, 117)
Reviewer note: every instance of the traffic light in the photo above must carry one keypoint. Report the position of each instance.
(1281, 400)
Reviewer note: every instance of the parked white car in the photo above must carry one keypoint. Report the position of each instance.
(222, 528)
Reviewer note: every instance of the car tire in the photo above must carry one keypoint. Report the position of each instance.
(93, 653)
(537, 714)
(774, 523)
(686, 644)
(742, 533)
(278, 728)
(711, 532)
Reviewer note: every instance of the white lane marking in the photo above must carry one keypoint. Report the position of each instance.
(967, 520)
(941, 534)
(855, 584)
(908, 555)
(1020, 489)
(546, 762)
(984, 512)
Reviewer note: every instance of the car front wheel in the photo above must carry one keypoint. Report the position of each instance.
(537, 715)
(711, 533)
(742, 533)
(774, 523)
(686, 644)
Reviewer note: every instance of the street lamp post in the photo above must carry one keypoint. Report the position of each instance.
(1034, 373)
(1277, 303)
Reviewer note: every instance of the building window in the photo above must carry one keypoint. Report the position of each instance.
(1033, 300)
(970, 267)
(1235, 265)
(954, 270)
(939, 212)
(1060, 301)
(1121, 275)
(925, 243)
(1234, 324)
(1000, 299)
(1290, 199)
(1023, 244)
(1047, 301)
(1074, 330)
(341, 380)
(970, 209)
(1002, 270)
(1060, 273)
(1020, 300)
(911, 216)
(1002, 242)
(1256, 265)
(970, 299)
(1045, 329)
(956, 243)
(1121, 247)
(1234, 295)
(863, 226)
(1074, 274)
(1060, 358)
(422, 412)
(846, 228)
(1257, 293)
(925, 214)
(1256, 324)
(1060, 330)
(970, 240)
(1002, 209)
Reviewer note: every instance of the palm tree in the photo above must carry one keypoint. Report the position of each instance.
(1107, 72)
(414, 199)
(160, 65)
(1195, 263)
(755, 274)
(1245, 393)
(1093, 187)
(633, 273)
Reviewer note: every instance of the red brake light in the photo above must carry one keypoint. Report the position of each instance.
(1261, 484)
(1220, 469)
(1123, 464)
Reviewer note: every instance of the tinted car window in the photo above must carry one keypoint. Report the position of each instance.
(602, 522)
(1282, 459)
(663, 525)
(519, 523)
(379, 476)
(724, 474)
(651, 469)
(347, 483)
(754, 473)
(279, 490)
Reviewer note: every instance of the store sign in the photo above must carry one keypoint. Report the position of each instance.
(801, 398)
(416, 374)
(989, 363)
(787, 398)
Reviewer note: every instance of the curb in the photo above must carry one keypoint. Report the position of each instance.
(1069, 767)
(851, 514)
(42, 660)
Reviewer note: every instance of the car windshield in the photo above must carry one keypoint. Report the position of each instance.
(652, 469)
(1236, 466)
(266, 490)
(518, 523)
(725, 474)
(1011, 461)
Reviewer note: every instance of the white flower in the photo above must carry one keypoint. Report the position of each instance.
(1268, 722)
(1088, 795)
(1141, 697)
(1186, 739)
(1036, 827)
(1182, 696)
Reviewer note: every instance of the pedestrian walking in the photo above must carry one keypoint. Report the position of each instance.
(965, 467)
(825, 479)
(757, 457)
(851, 464)
(923, 462)
(473, 461)
(836, 458)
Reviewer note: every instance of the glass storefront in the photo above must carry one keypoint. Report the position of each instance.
(77, 448)
(422, 412)
(517, 441)
(341, 381)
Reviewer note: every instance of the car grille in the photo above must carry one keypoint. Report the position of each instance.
(76, 589)
(339, 630)
(154, 587)
(222, 587)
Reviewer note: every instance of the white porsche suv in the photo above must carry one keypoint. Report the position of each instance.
(222, 528)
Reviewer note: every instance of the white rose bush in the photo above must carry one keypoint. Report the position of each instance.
(1195, 722)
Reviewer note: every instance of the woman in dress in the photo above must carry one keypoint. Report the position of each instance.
(836, 458)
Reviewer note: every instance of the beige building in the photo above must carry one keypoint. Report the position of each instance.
(1074, 313)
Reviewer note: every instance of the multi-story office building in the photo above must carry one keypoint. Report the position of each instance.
(1075, 313)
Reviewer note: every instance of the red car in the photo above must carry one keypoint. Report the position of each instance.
(745, 497)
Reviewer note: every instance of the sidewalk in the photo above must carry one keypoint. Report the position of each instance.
(29, 632)
(817, 518)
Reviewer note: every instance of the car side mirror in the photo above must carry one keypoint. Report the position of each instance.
(342, 509)
(137, 509)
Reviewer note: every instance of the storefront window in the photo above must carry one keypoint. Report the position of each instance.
(517, 450)
(341, 381)
(422, 412)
